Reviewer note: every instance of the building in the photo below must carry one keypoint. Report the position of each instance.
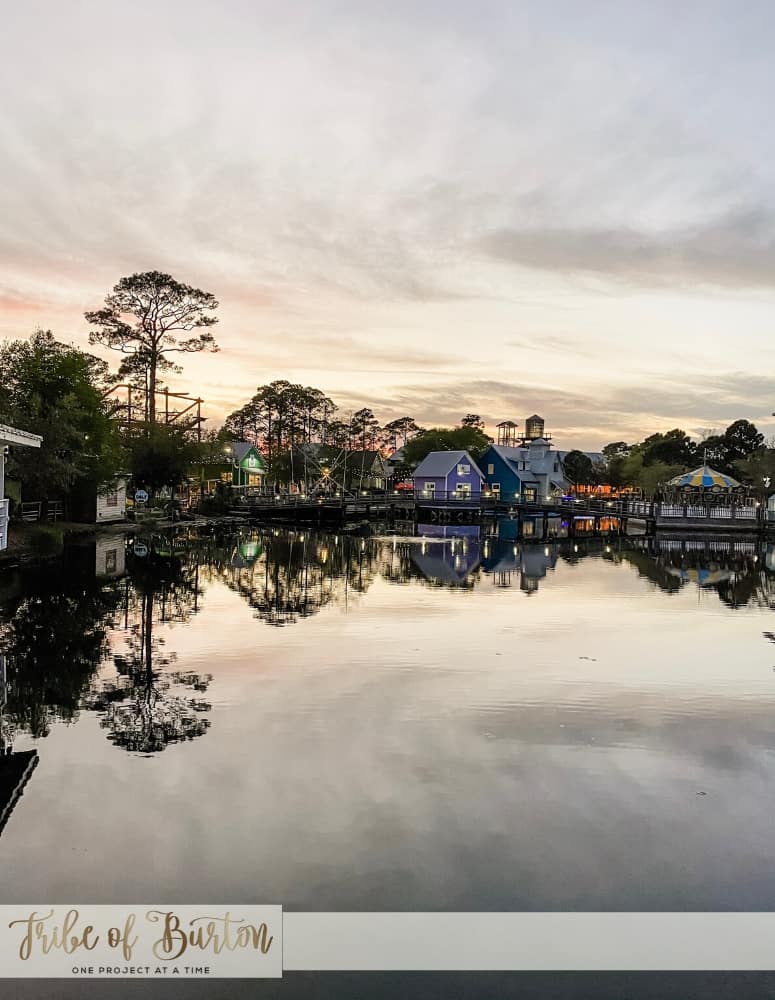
(532, 472)
(92, 504)
(11, 437)
(365, 471)
(247, 466)
(448, 475)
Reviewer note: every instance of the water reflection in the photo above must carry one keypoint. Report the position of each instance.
(739, 571)
(416, 735)
(91, 632)
(146, 706)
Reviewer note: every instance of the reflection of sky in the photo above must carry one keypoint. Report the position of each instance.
(424, 748)
(365, 186)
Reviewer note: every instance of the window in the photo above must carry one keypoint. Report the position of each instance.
(429, 488)
(463, 469)
(490, 470)
(496, 488)
(111, 499)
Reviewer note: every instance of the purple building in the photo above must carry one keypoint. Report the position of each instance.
(448, 475)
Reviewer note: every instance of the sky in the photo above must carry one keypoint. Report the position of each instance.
(427, 208)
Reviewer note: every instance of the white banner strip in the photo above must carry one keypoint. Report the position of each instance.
(459, 942)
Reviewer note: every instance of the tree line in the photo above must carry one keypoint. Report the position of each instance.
(150, 319)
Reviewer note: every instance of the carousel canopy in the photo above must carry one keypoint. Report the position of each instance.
(705, 478)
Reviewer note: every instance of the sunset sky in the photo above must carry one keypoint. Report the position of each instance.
(428, 208)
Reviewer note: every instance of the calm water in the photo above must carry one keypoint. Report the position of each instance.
(338, 723)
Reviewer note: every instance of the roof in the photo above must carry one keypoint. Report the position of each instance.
(441, 463)
(12, 435)
(239, 452)
(363, 458)
(705, 478)
(535, 416)
(239, 449)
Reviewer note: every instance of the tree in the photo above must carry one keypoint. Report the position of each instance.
(739, 441)
(617, 449)
(146, 317)
(472, 420)
(56, 390)
(672, 448)
(365, 428)
(54, 639)
(397, 432)
(469, 439)
(578, 467)
(161, 457)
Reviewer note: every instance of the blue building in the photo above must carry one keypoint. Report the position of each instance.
(448, 475)
(531, 472)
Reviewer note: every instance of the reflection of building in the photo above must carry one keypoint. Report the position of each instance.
(15, 768)
(110, 556)
(446, 554)
(504, 558)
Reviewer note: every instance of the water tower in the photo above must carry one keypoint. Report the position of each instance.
(534, 428)
(508, 434)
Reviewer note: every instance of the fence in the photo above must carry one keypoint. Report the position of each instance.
(696, 512)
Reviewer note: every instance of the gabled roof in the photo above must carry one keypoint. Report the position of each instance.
(441, 463)
(239, 449)
(509, 453)
(366, 459)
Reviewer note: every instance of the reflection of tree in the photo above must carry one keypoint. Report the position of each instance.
(54, 639)
(146, 708)
(299, 573)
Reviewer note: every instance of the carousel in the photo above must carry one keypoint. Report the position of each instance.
(705, 485)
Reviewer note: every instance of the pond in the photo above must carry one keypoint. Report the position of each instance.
(444, 721)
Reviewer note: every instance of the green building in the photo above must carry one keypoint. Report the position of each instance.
(247, 466)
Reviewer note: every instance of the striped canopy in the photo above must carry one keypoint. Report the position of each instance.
(705, 478)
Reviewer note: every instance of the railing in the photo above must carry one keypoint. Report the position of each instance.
(30, 511)
(4, 514)
(55, 510)
(695, 512)
(447, 496)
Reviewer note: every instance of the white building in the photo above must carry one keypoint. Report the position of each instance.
(11, 437)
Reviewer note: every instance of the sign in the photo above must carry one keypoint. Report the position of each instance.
(140, 550)
(141, 496)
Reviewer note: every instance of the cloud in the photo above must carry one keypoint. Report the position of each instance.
(736, 250)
